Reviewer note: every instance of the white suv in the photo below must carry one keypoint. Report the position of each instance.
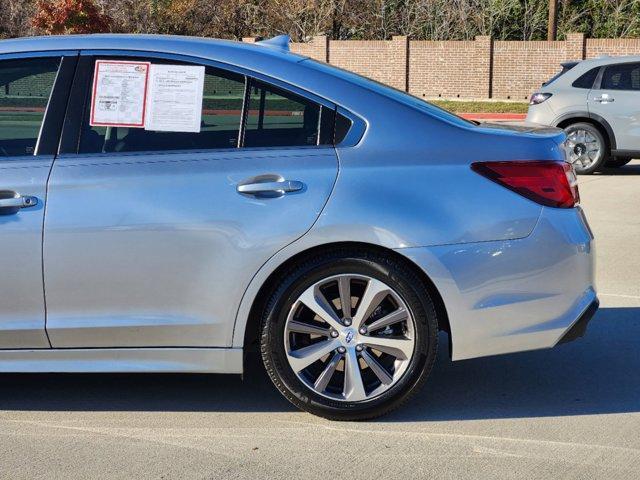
(597, 102)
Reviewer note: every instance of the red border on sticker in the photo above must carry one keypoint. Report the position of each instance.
(95, 88)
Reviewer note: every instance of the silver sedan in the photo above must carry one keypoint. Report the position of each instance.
(168, 204)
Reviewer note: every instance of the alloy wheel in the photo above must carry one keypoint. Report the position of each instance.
(583, 147)
(349, 337)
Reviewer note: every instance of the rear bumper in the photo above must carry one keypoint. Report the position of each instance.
(541, 113)
(515, 295)
(579, 328)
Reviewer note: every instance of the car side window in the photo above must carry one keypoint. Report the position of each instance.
(277, 118)
(220, 125)
(25, 88)
(586, 79)
(624, 76)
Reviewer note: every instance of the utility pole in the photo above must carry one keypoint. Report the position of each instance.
(552, 29)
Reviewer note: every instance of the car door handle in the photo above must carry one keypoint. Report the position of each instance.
(18, 202)
(604, 99)
(280, 186)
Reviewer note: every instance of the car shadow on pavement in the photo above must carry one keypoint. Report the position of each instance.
(597, 374)
(632, 168)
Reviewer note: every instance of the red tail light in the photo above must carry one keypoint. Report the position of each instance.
(553, 184)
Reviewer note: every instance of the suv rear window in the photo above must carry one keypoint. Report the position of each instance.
(566, 66)
(586, 79)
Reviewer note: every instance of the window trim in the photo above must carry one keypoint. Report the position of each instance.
(54, 114)
(603, 68)
(72, 129)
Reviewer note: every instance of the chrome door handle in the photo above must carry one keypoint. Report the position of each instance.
(18, 202)
(604, 99)
(281, 186)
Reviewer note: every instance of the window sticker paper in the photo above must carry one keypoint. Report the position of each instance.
(174, 102)
(119, 93)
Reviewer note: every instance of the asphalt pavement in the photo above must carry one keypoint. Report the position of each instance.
(571, 412)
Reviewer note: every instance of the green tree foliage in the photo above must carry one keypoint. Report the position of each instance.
(350, 19)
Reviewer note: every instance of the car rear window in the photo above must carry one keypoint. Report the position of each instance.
(565, 68)
(390, 92)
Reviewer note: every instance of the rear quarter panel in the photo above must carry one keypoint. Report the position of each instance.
(413, 186)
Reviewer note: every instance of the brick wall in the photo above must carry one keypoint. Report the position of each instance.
(381, 60)
(597, 47)
(521, 67)
(480, 68)
(435, 67)
(317, 48)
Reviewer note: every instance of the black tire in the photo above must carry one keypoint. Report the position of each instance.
(603, 157)
(397, 275)
(617, 162)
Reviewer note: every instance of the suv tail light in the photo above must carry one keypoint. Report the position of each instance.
(538, 98)
(549, 183)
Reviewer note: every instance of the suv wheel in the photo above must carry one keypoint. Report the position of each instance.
(349, 335)
(586, 147)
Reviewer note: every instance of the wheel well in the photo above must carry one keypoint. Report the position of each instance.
(266, 290)
(605, 134)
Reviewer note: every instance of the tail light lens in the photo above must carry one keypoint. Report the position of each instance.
(537, 98)
(553, 184)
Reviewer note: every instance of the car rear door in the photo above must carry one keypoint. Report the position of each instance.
(615, 97)
(151, 236)
(33, 93)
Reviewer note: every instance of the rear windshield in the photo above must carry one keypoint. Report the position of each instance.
(565, 68)
(390, 92)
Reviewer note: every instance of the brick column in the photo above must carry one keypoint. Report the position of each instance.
(575, 46)
(483, 67)
(401, 48)
(320, 45)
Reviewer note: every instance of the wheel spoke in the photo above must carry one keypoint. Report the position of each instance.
(374, 293)
(305, 356)
(393, 317)
(299, 327)
(325, 377)
(318, 304)
(401, 348)
(344, 285)
(376, 368)
(353, 386)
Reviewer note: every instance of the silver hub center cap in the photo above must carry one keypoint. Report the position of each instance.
(349, 337)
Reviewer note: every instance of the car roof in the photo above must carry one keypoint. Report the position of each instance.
(606, 60)
(181, 45)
